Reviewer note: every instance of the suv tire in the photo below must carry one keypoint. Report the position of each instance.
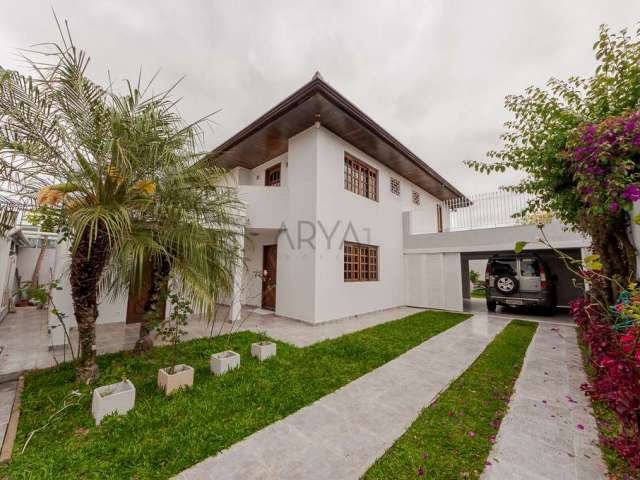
(506, 284)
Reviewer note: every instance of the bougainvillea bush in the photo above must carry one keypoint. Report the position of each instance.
(576, 141)
(615, 358)
(578, 144)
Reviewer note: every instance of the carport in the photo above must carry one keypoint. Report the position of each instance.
(567, 283)
(437, 263)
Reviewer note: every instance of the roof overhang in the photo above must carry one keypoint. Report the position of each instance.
(268, 136)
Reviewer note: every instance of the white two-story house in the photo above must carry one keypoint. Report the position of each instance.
(325, 189)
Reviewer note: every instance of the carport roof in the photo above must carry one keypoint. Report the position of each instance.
(268, 136)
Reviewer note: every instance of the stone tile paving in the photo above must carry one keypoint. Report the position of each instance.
(26, 341)
(549, 431)
(7, 395)
(342, 434)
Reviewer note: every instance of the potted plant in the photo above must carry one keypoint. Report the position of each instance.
(116, 398)
(263, 350)
(171, 330)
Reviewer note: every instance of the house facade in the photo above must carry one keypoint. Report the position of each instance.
(325, 189)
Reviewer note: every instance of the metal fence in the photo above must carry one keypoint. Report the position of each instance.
(487, 210)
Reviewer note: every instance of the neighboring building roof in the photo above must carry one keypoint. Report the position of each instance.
(267, 137)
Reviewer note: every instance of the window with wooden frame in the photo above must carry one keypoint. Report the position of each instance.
(439, 217)
(360, 178)
(272, 176)
(415, 197)
(395, 186)
(360, 262)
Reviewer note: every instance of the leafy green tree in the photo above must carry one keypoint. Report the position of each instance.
(474, 276)
(543, 132)
(98, 159)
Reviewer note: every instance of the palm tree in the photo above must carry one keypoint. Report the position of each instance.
(190, 233)
(93, 154)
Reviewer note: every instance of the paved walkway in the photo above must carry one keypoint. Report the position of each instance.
(24, 340)
(7, 395)
(549, 431)
(342, 434)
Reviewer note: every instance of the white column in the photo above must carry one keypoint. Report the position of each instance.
(235, 307)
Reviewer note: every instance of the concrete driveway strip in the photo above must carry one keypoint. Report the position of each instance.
(342, 434)
(549, 431)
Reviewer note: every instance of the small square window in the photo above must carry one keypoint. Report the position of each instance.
(415, 197)
(395, 186)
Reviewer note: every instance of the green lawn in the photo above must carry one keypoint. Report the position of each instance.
(478, 293)
(163, 436)
(452, 438)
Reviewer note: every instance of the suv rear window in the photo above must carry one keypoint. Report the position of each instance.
(529, 267)
(503, 267)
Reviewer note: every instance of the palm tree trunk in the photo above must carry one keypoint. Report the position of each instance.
(87, 265)
(153, 307)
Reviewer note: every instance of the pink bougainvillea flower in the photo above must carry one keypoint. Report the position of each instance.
(472, 434)
(488, 463)
(462, 414)
(580, 426)
(614, 206)
(631, 193)
(492, 439)
(421, 472)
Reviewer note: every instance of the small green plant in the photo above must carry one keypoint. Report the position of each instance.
(474, 277)
(171, 329)
(40, 295)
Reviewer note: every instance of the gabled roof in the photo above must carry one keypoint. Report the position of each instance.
(267, 137)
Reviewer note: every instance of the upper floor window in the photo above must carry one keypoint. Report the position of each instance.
(360, 262)
(415, 197)
(360, 178)
(439, 217)
(272, 176)
(395, 186)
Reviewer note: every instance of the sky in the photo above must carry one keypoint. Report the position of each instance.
(432, 73)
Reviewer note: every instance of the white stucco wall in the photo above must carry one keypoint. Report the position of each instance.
(27, 258)
(7, 272)
(318, 215)
(433, 280)
(296, 280)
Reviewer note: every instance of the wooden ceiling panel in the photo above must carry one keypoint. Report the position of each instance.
(269, 135)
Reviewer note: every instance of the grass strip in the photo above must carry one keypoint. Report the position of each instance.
(164, 435)
(452, 438)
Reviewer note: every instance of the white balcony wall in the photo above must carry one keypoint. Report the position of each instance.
(266, 207)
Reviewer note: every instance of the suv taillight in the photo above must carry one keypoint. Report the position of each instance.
(543, 278)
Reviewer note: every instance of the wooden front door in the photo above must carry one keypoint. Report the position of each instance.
(269, 264)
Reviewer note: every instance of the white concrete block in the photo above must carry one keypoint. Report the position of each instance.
(116, 398)
(263, 350)
(182, 377)
(224, 361)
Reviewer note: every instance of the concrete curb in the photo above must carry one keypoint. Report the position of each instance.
(12, 427)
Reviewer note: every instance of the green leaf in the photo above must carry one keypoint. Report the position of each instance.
(520, 246)
(592, 262)
(636, 219)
